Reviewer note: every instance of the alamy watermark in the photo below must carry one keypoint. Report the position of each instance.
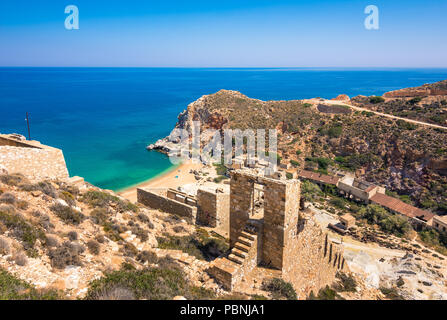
(211, 147)
(72, 20)
(372, 20)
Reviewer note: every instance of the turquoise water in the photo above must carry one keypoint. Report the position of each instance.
(103, 118)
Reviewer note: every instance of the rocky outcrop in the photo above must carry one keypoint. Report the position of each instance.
(342, 97)
(432, 89)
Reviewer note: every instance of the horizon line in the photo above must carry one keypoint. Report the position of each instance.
(226, 67)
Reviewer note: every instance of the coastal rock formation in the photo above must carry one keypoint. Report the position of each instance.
(341, 97)
(431, 89)
(400, 155)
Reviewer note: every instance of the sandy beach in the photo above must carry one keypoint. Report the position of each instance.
(172, 179)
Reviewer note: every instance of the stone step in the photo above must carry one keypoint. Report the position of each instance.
(242, 246)
(239, 253)
(244, 241)
(247, 235)
(235, 258)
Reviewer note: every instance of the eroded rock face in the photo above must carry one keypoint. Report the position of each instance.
(432, 89)
(342, 97)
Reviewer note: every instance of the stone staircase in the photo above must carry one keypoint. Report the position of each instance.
(244, 243)
(230, 270)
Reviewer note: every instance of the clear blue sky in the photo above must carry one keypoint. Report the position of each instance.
(230, 33)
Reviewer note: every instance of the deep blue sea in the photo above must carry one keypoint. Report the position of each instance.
(103, 118)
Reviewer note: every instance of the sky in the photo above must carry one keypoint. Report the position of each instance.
(242, 33)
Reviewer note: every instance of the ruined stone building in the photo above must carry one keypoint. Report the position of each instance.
(31, 158)
(209, 206)
(278, 237)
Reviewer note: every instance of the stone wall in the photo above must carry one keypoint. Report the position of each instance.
(281, 207)
(157, 199)
(7, 141)
(241, 198)
(312, 260)
(289, 241)
(213, 209)
(35, 163)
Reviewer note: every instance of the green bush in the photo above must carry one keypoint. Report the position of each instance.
(20, 228)
(347, 283)
(310, 191)
(280, 289)
(67, 214)
(434, 239)
(220, 169)
(65, 254)
(12, 288)
(391, 293)
(388, 222)
(376, 99)
(338, 202)
(294, 163)
(200, 245)
(149, 284)
(335, 132)
(101, 199)
(325, 293)
(405, 125)
(13, 179)
(219, 179)
(93, 247)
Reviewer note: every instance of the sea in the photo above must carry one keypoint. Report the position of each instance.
(103, 118)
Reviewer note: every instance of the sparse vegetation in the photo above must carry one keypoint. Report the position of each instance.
(200, 245)
(20, 228)
(66, 254)
(376, 99)
(434, 239)
(347, 283)
(101, 199)
(12, 288)
(151, 284)
(13, 179)
(280, 289)
(93, 247)
(391, 223)
(325, 293)
(67, 214)
(391, 293)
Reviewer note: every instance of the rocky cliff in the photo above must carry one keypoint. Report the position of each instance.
(430, 89)
(407, 158)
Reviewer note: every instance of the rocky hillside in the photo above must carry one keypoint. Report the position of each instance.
(62, 241)
(429, 89)
(427, 103)
(407, 158)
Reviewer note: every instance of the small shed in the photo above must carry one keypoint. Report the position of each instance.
(347, 220)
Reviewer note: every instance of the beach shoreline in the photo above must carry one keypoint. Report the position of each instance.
(172, 178)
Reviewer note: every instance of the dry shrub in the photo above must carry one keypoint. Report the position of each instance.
(67, 214)
(20, 259)
(100, 238)
(148, 256)
(114, 293)
(8, 198)
(66, 254)
(51, 242)
(93, 247)
(13, 179)
(72, 235)
(4, 246)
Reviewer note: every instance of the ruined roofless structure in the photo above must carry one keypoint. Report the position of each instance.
(283, 238)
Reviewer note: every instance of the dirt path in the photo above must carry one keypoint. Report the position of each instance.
(375, 112)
